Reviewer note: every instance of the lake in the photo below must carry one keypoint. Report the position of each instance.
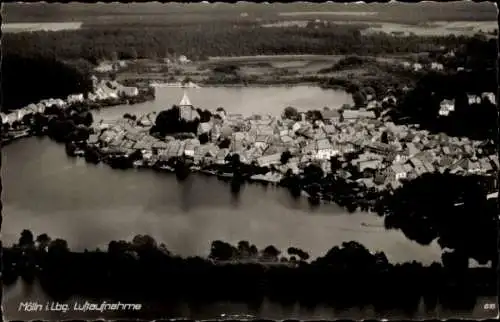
(243, 100)
(89, 205)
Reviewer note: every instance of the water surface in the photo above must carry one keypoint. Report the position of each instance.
(244, 100)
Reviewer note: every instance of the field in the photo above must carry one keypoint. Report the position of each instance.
(47, 26)
(259, 70)
(193, 13)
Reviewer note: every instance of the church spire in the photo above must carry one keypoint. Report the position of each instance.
(185, 100)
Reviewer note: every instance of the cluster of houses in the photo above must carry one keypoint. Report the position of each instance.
(103, 90)
(448, 105)
(419, 66)
(110, 66)
(387, 153)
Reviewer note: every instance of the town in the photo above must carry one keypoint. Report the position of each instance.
(371, 154)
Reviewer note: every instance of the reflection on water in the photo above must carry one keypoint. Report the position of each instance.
(20, 292)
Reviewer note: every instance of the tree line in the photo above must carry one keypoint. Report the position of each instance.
(142, 270)
(223, 38)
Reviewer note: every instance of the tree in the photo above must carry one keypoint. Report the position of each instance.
(24, 79)
(144, 241)
(292, 251)
(26, 239)
(285, 156)
(244, 249)
(359, 99)
(335, 164)
(58, 247)
(203, 138)
(291, 113)
(384, 137)
(270, 253)
(43, 241)
(221, 251)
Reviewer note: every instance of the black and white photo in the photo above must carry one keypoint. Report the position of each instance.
(249, 161)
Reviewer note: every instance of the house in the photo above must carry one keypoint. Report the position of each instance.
(329, 129)
(310, 148)
(401, 156)
(183, 59)
(262, 141)
(380, 148)
(330, 116)
(406, 64)
(473, 99)
(264, 130)
(489, 96)
(397, 171)
(358, 114)
(446, 106)
(104, 67)
(189, 148)
(268, 160)
(474, 167)
(450, 54)
(296, 126)
(390, 99)
(372, 104)
(75, 98)
(220, 158)
(369, 164)
(347, 147)
(436, 66)
(325, 150)
(204, 128)
(417, 67)
(494, 162)
(128, 91)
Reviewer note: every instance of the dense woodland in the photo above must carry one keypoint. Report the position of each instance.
(30, 78)
(214, 39)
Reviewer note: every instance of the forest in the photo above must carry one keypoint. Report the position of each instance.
(222, 38)
(30, 78)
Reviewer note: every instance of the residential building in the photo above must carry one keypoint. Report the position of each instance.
(268, 160)
(446, 106)
(417, 67)
(436, 66)
(473, 99)
(325, 150)
(330, 116)
(489, 96)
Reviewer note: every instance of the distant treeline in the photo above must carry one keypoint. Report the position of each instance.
(215, 39)
(28, 77)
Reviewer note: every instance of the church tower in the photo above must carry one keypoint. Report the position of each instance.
(185, 107)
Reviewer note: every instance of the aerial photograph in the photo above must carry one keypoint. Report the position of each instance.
(216, 161)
